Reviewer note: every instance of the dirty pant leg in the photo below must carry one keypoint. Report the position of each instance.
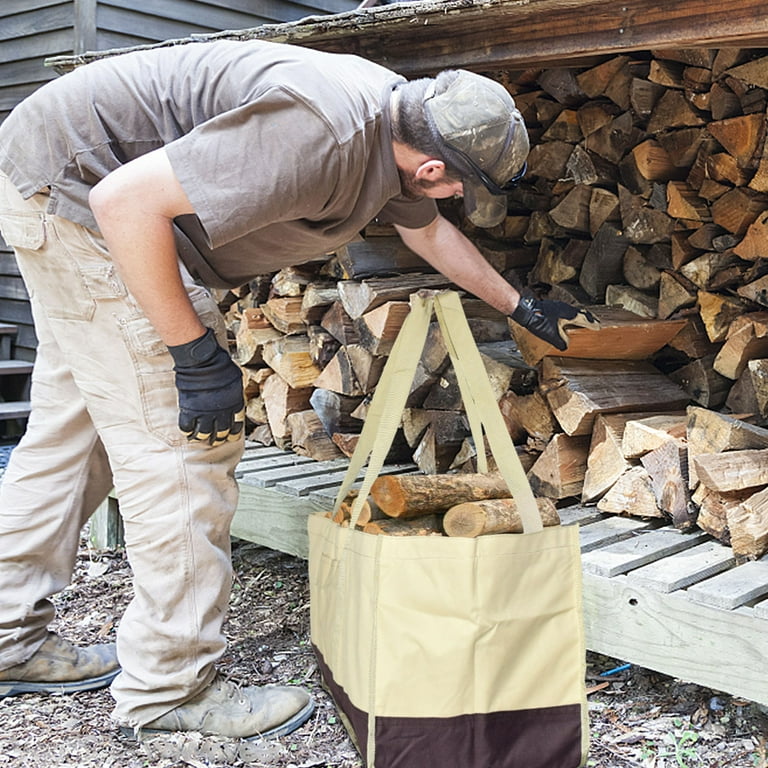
(176, 498)
(47, 494)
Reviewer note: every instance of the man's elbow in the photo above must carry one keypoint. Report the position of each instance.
(102, 200)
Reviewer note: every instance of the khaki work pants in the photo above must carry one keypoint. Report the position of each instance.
(104, 414)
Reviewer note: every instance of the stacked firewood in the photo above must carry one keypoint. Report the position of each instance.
(646, 200)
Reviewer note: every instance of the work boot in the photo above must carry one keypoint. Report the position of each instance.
(226, 709)
(60, 667)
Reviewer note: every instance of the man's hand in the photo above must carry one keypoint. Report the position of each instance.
(548, 319)
(210, 385)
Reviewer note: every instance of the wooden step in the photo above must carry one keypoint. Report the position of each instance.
(15, 409)
(15, 367)
(7, 332)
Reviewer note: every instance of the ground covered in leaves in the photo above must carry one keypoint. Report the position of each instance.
(639, 719)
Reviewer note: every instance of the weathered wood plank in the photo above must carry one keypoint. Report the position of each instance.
(609, 530)
(669, 633)
(685, 568)
(733, 588)
(636, 551)
(420, 39)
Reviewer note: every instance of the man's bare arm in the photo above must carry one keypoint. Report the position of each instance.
(453, 255)
(134, 207)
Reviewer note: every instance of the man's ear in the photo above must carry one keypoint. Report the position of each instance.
(430, 170)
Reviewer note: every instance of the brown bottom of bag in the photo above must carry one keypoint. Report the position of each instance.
(549, 737)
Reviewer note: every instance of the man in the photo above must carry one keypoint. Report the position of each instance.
(125, 185)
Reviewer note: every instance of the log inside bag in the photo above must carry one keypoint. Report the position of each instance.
(479, 518)
(406, 496)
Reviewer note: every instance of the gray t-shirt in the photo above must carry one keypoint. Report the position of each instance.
(284, 152)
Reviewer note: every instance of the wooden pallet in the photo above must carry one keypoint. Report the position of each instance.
(669, 601)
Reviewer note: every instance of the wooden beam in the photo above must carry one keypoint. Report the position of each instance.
(486, 35)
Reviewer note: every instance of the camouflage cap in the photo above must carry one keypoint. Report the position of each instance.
(482, 135)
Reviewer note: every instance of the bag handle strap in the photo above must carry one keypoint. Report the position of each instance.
(478, 396)
(388, 403)
(480, 404)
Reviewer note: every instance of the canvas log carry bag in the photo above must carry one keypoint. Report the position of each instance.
(450, 652)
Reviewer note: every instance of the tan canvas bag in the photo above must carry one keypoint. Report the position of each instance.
(448, 652)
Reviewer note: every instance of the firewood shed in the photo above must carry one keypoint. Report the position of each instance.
(646, 199)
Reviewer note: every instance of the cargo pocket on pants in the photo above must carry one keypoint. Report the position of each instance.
(52, 275)
(156, 380)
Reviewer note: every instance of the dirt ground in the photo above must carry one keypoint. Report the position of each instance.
(639, 719)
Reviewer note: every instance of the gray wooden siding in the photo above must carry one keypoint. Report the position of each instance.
(32, 30)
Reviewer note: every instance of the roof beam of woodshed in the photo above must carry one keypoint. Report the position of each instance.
(422, 38)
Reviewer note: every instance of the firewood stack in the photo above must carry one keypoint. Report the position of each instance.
(646, 200)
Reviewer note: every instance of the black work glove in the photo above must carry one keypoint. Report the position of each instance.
(210, 385)
(548, 319)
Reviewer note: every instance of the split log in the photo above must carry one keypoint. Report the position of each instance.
(292, 281)
(692, 340)
(718, 312)
(334, 410)
(621, 335)
(339, 376)
(579, 390)
(366, 367)
(340, 325)
(481, 518)
(378, 255)
(748, 526)
(572, 212)
(281, 400)
(378, 329)
(603, 209)
(639, 271)
(631, 495)
(316, 299)
(742, 397)
(557, 263)
(289, 356)
(634, 301)
(399, 451)
(740, 136)
(747, 338)
(559, 472)
(605, 462)
(309, 438)
(249, 343)
(603, 261)
(446, 395)
(441, 442)
(284, 313)
(643, 434)
(758, 374)
(702, 382)
(357, 298)
(755, 291)
(736, 210)
(429, 525)
(406, 496)
(529, 413)
(713, 510)
(675, 293)
(322, 345)
(734, 470)
(710, 432)
(667, 466)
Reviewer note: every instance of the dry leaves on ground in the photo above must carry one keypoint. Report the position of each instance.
(640, 720)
